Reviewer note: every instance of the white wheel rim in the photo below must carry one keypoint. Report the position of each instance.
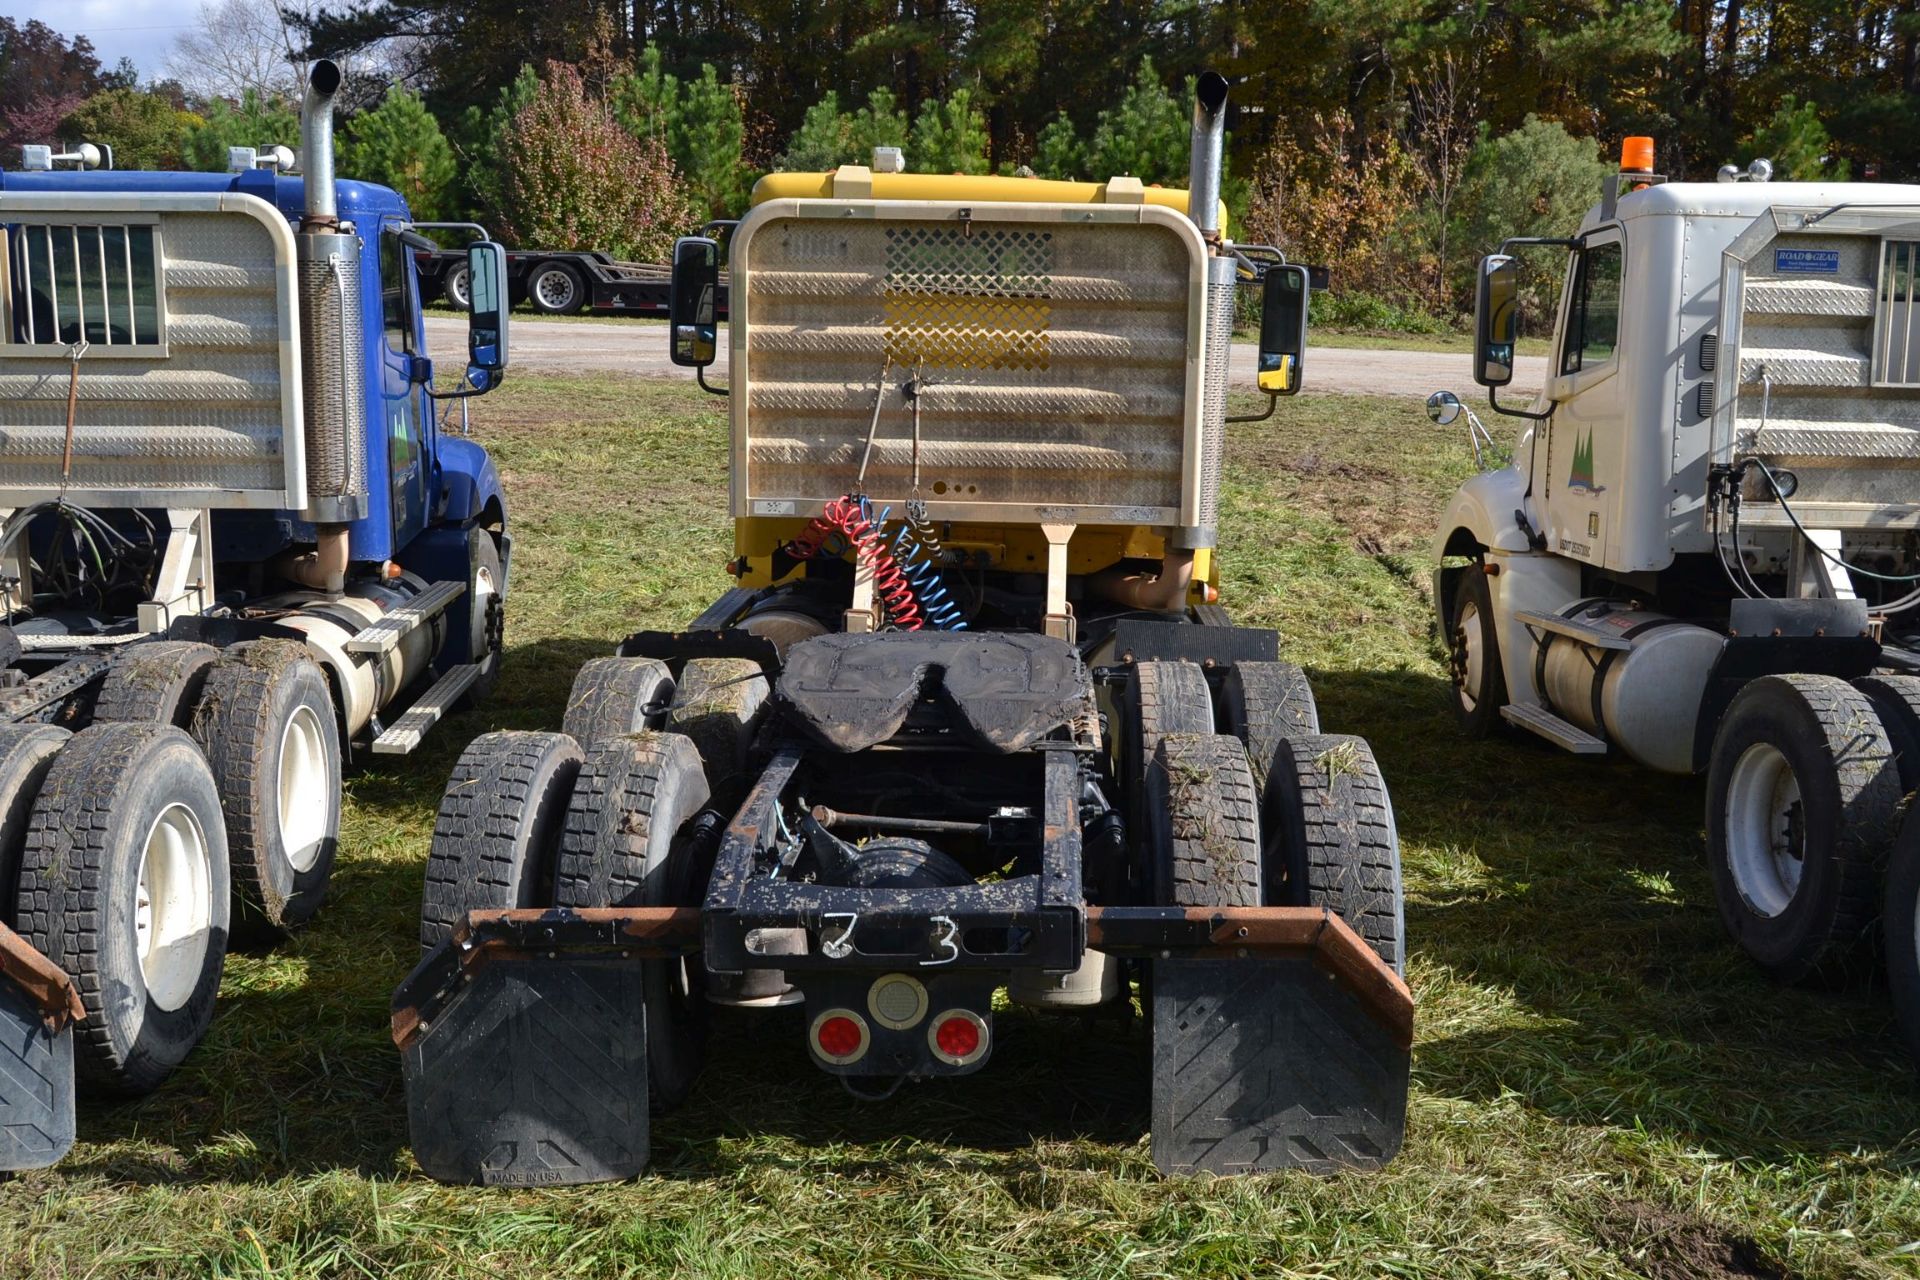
(457, 287)
(1766, 839)
(555, 288)
(173, 906)
(483, 593)
(305, 785)
(1472, 640)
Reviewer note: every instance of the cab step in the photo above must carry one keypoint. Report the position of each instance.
(380, 637)
(1568, 737)
(404, 734)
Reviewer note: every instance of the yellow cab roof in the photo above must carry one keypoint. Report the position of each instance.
(959, 188)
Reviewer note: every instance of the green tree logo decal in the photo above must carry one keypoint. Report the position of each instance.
(1581, 478)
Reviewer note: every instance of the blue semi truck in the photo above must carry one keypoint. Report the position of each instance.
(240, 541)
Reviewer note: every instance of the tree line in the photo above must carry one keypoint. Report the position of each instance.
(1394, 140)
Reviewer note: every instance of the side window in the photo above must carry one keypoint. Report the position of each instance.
(394, 297)
(1593, 321)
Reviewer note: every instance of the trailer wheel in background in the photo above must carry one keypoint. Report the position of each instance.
(1900, 923)
(556, 289)
(719, 703)
(267, 723)
(456, 287)
(26, 753)
(1204, 821)
(1331, 839)
(155, 682)
(124, 884)
(1263, 702)
(1473, 656)
(629, 842)
(1896, 700)
(613, 697)
(1802, 797)
(498, 831)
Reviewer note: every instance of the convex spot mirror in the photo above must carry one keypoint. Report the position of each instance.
(1443, 407)
(1283, 329)
(1496, 320)
(694, 336)
(486, 315)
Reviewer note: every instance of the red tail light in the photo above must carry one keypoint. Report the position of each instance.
(958, 1037)
(840, 1036)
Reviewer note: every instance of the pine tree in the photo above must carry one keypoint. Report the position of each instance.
(399, 144)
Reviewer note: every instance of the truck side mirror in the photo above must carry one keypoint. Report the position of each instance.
(694, 336)
(486, 314)
(1496, 320)
(1283, 329)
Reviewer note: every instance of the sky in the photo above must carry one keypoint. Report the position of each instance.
(143, 30)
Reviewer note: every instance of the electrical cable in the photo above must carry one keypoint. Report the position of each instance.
(1825, 554)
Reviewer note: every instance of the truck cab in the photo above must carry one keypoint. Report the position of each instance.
(238, 541)
(1703, 553)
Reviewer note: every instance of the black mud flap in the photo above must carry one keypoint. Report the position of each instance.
(1265, 1063)
(36, 1083)
(534, 1073)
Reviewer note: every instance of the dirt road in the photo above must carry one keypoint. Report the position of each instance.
(615, 346)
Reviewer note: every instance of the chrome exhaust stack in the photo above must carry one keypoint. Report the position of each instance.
(1203, 207)
(1205, 157)
(332, 348)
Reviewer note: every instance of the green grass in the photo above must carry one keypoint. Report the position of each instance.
(1602, 1086)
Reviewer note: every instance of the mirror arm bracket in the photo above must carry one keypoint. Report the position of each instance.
(1273, 402)
(1493, 398)
(700, 376)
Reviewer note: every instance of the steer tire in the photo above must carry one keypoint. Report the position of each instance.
(1900, 927)
(613, 697)
(630, 842)
(1478, 694)
(120, 800)
(1204, 821)
(718, 704)
(26, 753)
(1796, 857)
(486, 591)
(498, 831)
(1896, 700)
(1331, 839)
(155, 682)
(1263, 702)
(267, 723)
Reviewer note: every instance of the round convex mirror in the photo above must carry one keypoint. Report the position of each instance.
(1443, 407)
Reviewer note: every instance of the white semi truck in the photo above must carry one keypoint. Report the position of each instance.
(1703, 553)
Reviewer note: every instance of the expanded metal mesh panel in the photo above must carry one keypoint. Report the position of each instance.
(331, 362)
(201, 417)
(1050, 358)
(1221, 296)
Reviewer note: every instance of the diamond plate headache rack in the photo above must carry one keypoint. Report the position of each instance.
(656, 933)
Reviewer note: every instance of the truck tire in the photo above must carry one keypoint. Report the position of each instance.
(123, 884)
(1263, 702)
(1802, 795)
(267, 723)
(26, 753)
(486, 612)
(1204, 820)
(498, 831)
(627, 842)
(456, 288)
(1900, 925)
(719, 703)
(1473, 656)
(1165, 697)
(613, 697)
(1896, 700)
(1332, 841)
(556, 289)
(155, 682)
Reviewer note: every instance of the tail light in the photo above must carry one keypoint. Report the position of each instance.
(958, 1037)
(840, 1036)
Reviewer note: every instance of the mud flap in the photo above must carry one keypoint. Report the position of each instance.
(534, 1073)
(1267, 1063)
(36, 1083)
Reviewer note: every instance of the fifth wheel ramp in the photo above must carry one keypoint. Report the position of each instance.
(38, 1006)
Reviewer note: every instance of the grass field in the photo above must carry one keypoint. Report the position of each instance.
(1601, 1085)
